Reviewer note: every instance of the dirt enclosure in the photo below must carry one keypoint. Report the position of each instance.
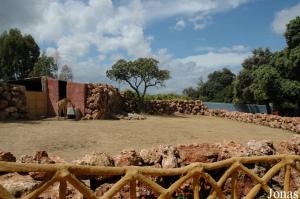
(71, 140)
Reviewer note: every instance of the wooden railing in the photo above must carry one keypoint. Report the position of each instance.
(66, 173)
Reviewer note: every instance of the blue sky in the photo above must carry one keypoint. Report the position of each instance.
(249, 25)
(191, 38)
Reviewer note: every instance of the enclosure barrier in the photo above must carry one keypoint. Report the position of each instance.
(64, 173)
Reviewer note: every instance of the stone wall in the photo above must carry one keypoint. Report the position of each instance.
(194, 107)
(12, 102)
(102, 101)
(164, 156)
(274, 121)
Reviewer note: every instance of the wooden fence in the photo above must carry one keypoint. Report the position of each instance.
(36, 104)
(64, 173)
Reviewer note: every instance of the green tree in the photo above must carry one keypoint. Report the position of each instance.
(45, 66)
(218, 87)
(292, 34)
(139, 74)
(241, 91)
(242, 85)
(273, 77)
(191, 92)
(260, 56)
(18, 55)
(66, 73)
(266, 86)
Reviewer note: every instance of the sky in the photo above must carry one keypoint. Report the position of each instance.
(191, 38)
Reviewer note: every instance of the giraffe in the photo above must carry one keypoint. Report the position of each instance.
(62, 107)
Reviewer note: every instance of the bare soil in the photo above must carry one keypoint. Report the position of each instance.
(72, 139)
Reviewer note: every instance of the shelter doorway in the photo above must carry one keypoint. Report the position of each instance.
(62, 89)
(62, 93)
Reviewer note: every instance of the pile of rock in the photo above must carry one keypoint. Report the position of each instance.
(194, 107)
(102, 101)
(130, 116)
(275, 121)
(12, 102)
(164, 156)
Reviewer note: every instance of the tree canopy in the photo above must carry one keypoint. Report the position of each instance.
(45, 66)
(274, 78)
(292, 34)
(218, 87)
(266, 78)
(18, 55)
(243, 85)
(139, 74)
(66, 73)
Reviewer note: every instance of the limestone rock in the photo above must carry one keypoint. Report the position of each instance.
(128, 158)
(190, 153)
(259, 148)
(53, 192)
(95, 159)
(231, 149)
(170, 157)
(291, 146)
(102, 101)
(17, 184)
(151, 156)
(41, 157)
(7, 157)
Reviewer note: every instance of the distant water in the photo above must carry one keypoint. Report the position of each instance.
(247, 108)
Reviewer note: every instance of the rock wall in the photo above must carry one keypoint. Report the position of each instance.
(195, 107)
(274, 121)
(102, 101)
(172, 106)
(164, 156)
(12, 102)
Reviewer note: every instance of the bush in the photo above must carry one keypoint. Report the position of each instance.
(129, 94)
(167, 96)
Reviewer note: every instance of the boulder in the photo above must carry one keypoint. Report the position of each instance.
(291, 146)
(170, 157)
(190, 153)
(102, 101)
(297, 128)
(123, 193)
(142, 191)
(41, 157)
(260, 148)
(151, 156)
(3, 103)
(7, 157)
(95, 159)
(11, 109)
(231, 149)
(3, 115)
(16, 184)
(53, 192)
(128, 158)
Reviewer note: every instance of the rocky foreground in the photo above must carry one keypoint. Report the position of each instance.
(165, 156)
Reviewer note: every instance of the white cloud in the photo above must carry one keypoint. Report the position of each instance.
(198, 12)
(187, 71)
(89, 35)
(180, 25)
(156, 9)
(234, 48)
(283, 17)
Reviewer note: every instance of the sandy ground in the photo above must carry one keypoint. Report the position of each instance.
(73, 139)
